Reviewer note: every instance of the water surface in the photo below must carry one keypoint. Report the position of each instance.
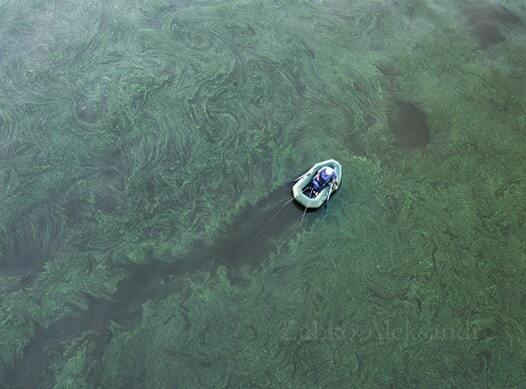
(146, 158)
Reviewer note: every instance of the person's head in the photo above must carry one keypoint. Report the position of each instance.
(329, 171)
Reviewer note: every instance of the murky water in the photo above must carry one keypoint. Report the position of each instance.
(244, 242)
(487, 23)
(140, 145)
(409, 125)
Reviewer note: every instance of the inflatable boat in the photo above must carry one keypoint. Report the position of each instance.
(302, 194)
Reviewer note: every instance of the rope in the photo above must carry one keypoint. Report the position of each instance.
(267, 223)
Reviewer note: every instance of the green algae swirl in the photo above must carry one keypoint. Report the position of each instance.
(133, 134)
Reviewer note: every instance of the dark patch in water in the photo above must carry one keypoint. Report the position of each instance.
(89, 110)
(484, 23)
(409, 125)
(505, 15)
(247, 238)
(388, 70)
(369, 120)
(235, 248)
(86, 113)
(245, 242)
(27, 250)
(32, 369)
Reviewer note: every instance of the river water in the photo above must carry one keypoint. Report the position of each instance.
(147, 233)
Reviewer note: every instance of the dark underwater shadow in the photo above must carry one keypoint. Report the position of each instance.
(409, 125)
(485, 23)
(246, 241)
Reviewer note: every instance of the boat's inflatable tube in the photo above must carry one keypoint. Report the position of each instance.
(306, 179)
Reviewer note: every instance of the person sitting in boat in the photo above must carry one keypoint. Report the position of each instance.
(324, 176)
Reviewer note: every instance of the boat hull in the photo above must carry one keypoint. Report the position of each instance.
(306, 179)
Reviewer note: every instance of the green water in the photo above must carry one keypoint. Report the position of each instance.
(144, 144)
